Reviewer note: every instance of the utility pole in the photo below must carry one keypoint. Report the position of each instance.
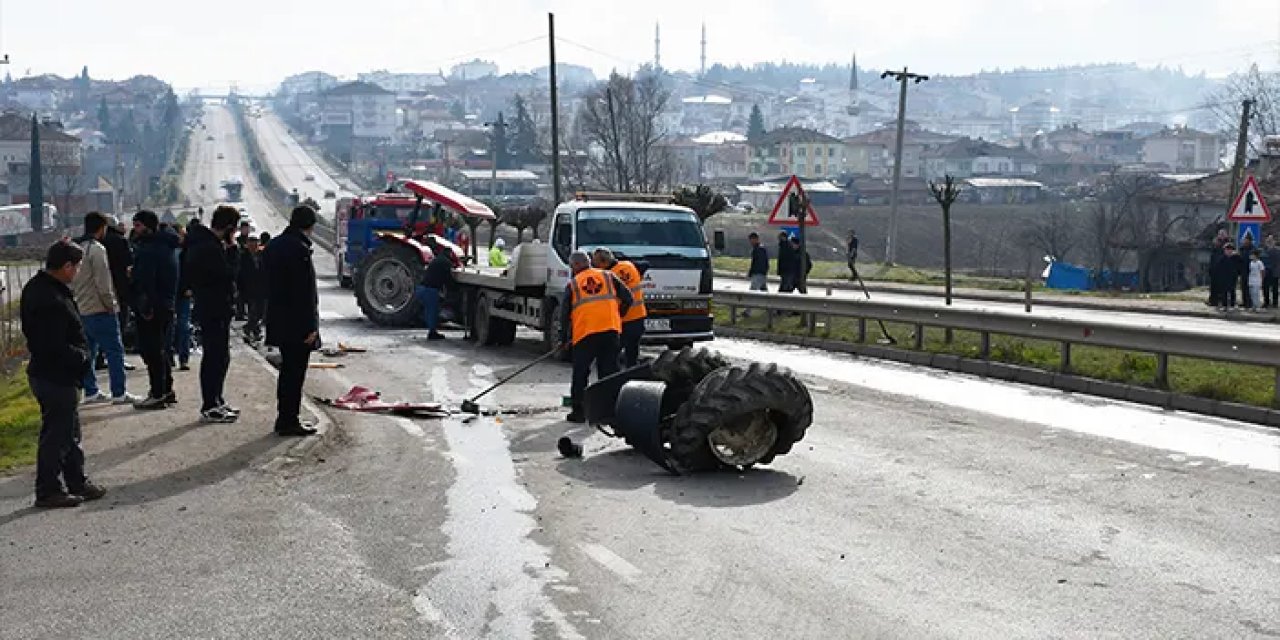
(555, 110)
(901, 77)
(1242, 146)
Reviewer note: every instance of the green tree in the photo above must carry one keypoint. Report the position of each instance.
(702, 199)
(35, 186)
(457, 110)
(500, 143)
(755, 124)
(104, 115)
(524, 134)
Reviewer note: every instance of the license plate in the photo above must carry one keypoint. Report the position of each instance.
(657, 325)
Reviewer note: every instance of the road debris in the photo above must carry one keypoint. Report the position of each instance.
(365, 400)
(568, 448)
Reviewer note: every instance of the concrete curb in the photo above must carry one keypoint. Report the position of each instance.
(881, 287)
(1165, 400)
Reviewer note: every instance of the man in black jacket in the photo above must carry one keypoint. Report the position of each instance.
(155, 290)
(211, 274)
(120, 260)
(252, 286)
(435, 279)
(787, 272)
(59, 358)
(293, 315)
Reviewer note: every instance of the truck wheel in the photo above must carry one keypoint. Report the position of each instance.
(741, 416)
(490, 330)
(684, 369)
(551, 329)
(385, 283)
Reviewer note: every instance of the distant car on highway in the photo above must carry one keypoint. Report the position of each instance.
(209, 138)
(219, 156)
(329, 194)
(309, 177)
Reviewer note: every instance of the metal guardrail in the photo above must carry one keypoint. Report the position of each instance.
(1130, 336)
(13, 276)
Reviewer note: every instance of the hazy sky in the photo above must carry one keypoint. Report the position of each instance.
(257, 42)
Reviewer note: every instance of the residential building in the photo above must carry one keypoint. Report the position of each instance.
(59, 151)
(764, 196)
(403, 83)
(701, 114)
(715, 156)
(1037, 115)
(355, 117)
(1183, 150)
(967, 158)
(1064, 169)
(473, 70)
(1001, 190)
(872, 153)
(510, 183)
(797, 151)
(568, 76)
(1118, 147)
(309, 82)
(977, 126)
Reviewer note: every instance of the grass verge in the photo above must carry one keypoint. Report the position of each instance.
(19, 420)
(1242, 384)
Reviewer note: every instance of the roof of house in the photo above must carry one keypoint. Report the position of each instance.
(503, 174)
(17, 127)
(970, 148)
(989, 183)
(357, 88)
(1180, 132)
(887, 136)
(1212, 189)
(796, 135)
(707, 99)
(720, 137)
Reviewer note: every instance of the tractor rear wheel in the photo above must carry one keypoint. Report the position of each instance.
(385, 282)
(685, 368)
(740, 416)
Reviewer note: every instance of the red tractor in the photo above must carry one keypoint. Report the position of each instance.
(387, 248)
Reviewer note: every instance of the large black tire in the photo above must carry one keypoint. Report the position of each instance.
(684, 369)
(385, 281)
(489, 330)
(730, 395)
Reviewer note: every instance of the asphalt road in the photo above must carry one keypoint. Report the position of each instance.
(922, 504)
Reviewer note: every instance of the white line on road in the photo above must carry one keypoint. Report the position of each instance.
(611, 561)
(1227, 441)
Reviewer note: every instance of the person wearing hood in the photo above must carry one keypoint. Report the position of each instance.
(211, 273)
(155, 291)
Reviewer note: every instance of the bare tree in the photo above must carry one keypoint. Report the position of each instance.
(1118, 223)
(621, 122)
(702, 199)
(61, 172)
(1264, 89)
(1055, 233)
(528, 215)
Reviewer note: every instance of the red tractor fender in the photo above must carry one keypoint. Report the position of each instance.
(424, 252)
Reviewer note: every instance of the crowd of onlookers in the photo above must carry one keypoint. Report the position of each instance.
(793, 264)
(1250, 268)
(160, 285)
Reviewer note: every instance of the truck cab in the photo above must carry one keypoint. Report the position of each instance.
(665, 241)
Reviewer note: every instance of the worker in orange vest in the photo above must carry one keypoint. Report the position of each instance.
(633, 319)
(591, 321)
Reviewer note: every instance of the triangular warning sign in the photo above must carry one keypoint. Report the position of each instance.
(781, 215)
(1249, 205)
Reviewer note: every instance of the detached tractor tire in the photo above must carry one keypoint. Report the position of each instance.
(684, 369)
(385, 281)
(740, 416)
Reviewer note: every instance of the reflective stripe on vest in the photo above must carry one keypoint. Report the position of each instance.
(594, 307)
(630, 276)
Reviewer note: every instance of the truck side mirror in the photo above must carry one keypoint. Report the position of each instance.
(718, 240)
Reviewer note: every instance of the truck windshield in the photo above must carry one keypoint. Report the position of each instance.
(639, 229)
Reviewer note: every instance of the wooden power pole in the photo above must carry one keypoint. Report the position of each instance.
(901, 77)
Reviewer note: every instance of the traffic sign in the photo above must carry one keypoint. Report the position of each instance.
(1252, 230)
(781, 214)
(1249, 205)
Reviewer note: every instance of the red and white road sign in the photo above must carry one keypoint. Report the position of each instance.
(1249, 205)
(781, 215)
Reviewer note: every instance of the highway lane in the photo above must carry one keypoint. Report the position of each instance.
(922, 504)
(292, 164)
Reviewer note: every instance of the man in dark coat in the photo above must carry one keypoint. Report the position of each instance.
(252, 286)
(59, 358)
(293, 316)
(786, 264)
(155, 291)
(120, 260)
(211, 274)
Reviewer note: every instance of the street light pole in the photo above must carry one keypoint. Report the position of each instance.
(901, 77)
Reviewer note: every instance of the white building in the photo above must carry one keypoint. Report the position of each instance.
(1183, 149)
(473, 70)
(369, 109)
(309, 82)
(403, 83)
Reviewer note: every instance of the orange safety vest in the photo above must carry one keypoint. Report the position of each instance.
(630, 276)
(594, 304)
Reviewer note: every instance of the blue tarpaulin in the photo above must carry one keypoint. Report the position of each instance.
(1070, 276)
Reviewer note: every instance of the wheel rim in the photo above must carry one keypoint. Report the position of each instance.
(389, 285)
(744, 440)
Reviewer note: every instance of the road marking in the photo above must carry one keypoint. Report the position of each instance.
(326, 314)
(611, 561)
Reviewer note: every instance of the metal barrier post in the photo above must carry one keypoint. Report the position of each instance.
(862, 334)
(1162, 370)
(1066, 357)
(984, 350)
(919, 337)
(733, 314)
